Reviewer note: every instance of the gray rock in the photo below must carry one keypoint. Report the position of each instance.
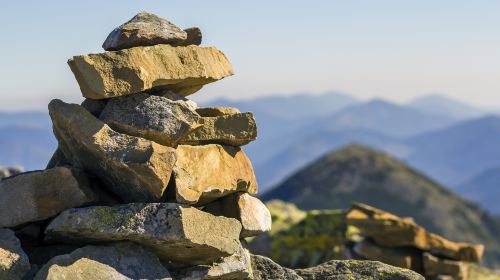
(194, 37)
(39, 195)
(236, 266)
(264, 269)
(250, 211)
(144, 29)
(117, 262)
(152, 117)
(233, 130)
(175, 233)
(135, 169)
(353, 269)
(175, 97)
(14, 263)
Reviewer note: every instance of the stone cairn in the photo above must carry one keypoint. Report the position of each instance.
(401, 242)
(143, 185)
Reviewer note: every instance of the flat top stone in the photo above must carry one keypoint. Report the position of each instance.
(144, 29)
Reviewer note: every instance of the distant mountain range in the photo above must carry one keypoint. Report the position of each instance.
(357, 173)
(446, 139)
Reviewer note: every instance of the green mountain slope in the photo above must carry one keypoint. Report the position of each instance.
(357, 173)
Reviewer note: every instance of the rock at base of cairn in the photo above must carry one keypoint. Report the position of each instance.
(14, 263)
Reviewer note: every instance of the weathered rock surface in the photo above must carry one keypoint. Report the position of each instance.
(14, 263)
(250, 211)
(264, 268)
(152, 117)
(175, 97)
(94, 106)
(135, 169)
(352, 269)
(39, 195)
(217, 111)
(236, 266)
(225, 170)
(233, 130)
(173, 232)
(183, 70)
(144, 29)
(405, 257)
(194, 37)
(392, 231)
(434, 266)
(118, 261)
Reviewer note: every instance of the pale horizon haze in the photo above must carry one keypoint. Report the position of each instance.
(396, 50)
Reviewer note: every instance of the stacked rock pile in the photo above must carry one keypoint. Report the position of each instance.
(144, 184)
(401, 242)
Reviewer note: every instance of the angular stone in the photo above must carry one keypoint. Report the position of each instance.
(175, 233)
(250, 211)
(117, 261)
(194, 37)
(152, 117)
(144, 29)
(225, 170)
(400, 257)
(135, 169)
(236, 266)
(434, 266)
(264, 268)
(233, 130)
(183, 70)
(217, 111)
(39, 195)
(175, 97)
(353, 269)
(95, 107)
(390, 230)
(14, 263)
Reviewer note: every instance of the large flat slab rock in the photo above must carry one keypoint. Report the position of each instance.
(231, 129)
(353, 269)
(390, 230)
(183, 70)
(250, 211)
(175, 233)
(118, 262)
(144, 29)
(135, 169)
(152, 117)
(39, 195)
(14, 263)
(205, 173)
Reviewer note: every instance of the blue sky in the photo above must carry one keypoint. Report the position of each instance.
(392, 49)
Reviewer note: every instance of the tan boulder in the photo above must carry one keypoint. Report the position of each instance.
(39, 195)
(174, 232)
(390, 230)
(183, 70)
(217, 111)
(205, 173)
(434, 266)
(135, 169)
(14, 263)
(250, 211)
(234, 130)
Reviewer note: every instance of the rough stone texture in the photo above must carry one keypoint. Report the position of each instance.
(236, 266)
(217, 111)
(95, 107)
(392, 231)
(117, 262)
(194, 37)
(225, 170)
(135, 169)
(39, 195)
(175, 233)
(264, 269)
(250, 211)
(175, 97)
(400, 257)
(144, 29)
(352, 269)
(14, 263)
(152, 117)
(233, 130)
(434, 267)
(183, 70)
